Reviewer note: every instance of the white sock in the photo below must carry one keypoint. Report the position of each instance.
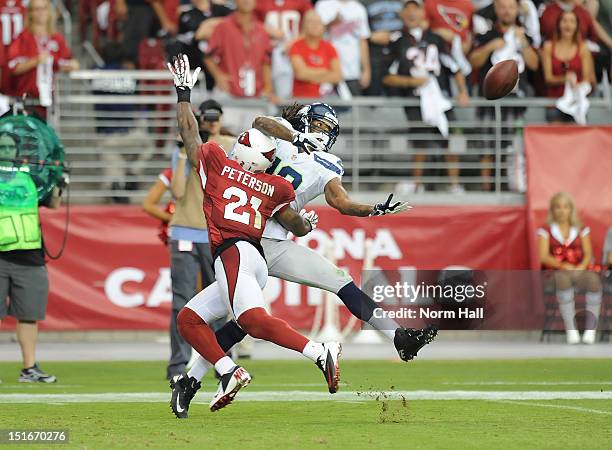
(593, 306)
(224, 365)
(313, 350)
(385, 326)
(567, 307)
(199, 369)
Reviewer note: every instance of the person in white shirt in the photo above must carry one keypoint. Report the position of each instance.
(348, 30)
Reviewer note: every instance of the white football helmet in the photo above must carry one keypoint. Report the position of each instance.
(254, 151)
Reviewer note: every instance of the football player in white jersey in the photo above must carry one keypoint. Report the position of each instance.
(313, 171)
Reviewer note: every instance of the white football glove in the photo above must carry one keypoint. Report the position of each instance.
(311, 217)
(309, 142)
(381, 209)
(183, 78)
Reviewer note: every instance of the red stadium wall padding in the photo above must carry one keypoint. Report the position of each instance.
(577, 160)
(114, 272)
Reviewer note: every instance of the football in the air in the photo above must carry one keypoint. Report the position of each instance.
(500, 79)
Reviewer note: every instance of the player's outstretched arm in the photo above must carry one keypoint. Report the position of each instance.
(273, 128)
(300, 223)
(337, 197)
(184, 81)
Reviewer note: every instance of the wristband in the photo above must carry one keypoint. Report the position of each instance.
(183, 94)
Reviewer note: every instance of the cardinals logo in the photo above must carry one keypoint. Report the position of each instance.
(244, 139)
(454, 17)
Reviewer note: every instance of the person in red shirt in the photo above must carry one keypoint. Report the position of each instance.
(238, 55)
(314, 60)
(239, 197)
(37, 53)
(566, 57)
(283, 20)
(12, 14)
(565, 247)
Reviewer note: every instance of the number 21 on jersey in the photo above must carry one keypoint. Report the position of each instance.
(243, 198)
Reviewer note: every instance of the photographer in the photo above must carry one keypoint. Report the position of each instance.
(23, 275)
(189, 249)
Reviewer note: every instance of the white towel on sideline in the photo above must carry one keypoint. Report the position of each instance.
(434, 105)
(575, 102)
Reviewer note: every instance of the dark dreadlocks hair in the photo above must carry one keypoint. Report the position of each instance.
(289, 113)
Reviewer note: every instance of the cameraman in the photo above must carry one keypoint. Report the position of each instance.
(189, 249)
(23, 275)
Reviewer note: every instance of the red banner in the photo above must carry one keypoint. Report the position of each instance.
(577, 160)
(114, 272)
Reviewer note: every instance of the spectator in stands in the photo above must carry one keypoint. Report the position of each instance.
(150, 205)
(347, 25)
(452, 19)
(485, 18)
(419, 56)
(11, 26)
(591, 32)
(238, 54)
(384, 19)
(189, 248)
(507, 39)
(196, 26)
(142, 18)
(316, 67)
(565, 59)
(565, 247)
(282, 20)
(37, 53)
(23, 275)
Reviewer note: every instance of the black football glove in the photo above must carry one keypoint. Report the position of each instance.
(381, 209)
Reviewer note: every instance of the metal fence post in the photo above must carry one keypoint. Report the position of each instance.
(356, 152)
(498, 138)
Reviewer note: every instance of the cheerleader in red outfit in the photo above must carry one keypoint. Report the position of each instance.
(565, 247)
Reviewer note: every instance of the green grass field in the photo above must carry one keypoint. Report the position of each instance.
(480, 404)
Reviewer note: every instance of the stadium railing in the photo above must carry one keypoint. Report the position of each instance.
(117, 143)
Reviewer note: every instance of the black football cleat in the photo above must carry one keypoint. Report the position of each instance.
(328, 363)
(408, 341)
(183, 390)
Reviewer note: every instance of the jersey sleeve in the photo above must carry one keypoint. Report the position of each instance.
(364, 26)
(15, 54)
(64, 55)
(166, 177)
(329, 167)
(286, 194)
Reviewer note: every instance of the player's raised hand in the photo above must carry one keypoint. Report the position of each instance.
(311, 217)
(382, 209)
(183, 78)
(309, 142)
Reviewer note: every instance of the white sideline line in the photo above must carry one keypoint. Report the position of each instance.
(546, 405)
(526, 383)
(279, 396)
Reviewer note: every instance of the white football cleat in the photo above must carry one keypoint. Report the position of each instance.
(589, 337)
(229, 385)
(573, 337)
(328, 363)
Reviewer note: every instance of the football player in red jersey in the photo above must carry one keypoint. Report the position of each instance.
(12, 13)
(239, 197)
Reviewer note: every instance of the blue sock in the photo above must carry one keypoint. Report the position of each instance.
(362, 307)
